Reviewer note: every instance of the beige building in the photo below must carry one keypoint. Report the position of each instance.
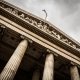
(34, 49)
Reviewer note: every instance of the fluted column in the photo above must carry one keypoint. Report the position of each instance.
(11, 67)
(36, 75)
(74, 73)
(49, 68)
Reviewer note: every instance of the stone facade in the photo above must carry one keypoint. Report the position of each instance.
(49, 54)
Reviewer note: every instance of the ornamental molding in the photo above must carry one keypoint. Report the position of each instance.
(44, 27)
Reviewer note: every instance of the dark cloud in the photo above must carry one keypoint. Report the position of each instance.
(68, 2)
(68, 6)
(65, 14)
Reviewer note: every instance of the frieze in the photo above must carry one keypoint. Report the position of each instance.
(43, 27)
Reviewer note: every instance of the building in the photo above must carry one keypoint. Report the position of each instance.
(34, 49)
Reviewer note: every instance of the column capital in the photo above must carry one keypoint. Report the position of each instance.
(49, 51)
(25, 38)
(2, 26)
(73, 64)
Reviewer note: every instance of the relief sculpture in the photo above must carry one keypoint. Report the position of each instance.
(40, 25)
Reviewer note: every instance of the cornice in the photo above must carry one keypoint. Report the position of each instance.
(42, 25)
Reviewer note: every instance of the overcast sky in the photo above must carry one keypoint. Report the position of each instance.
(64, 14)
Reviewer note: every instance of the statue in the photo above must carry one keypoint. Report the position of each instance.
(58, 36)
(9, 9)
(22, 15)
(65, 40)
(34, 22)
(27, 19)
(45, 27)
(40, 25)
(53, 33)
(2, 5)
(74, 46)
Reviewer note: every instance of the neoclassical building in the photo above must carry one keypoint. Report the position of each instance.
(34, 49)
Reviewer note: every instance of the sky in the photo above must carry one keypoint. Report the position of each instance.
(64, 14)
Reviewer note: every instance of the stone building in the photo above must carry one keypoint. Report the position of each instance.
(34, 49)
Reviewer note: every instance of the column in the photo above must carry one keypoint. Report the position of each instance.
(36, 74)
(74, 73)
(11, 67)
(48, 68)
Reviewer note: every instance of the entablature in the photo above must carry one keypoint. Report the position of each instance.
(54, 49)
(40, 27)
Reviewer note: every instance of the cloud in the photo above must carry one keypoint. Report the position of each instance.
(65, 14)
(68, 2)
(68, 6)
(69, 17)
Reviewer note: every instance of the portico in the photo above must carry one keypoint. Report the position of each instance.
(42, 53)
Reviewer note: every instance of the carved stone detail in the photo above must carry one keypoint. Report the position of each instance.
(40, 25)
